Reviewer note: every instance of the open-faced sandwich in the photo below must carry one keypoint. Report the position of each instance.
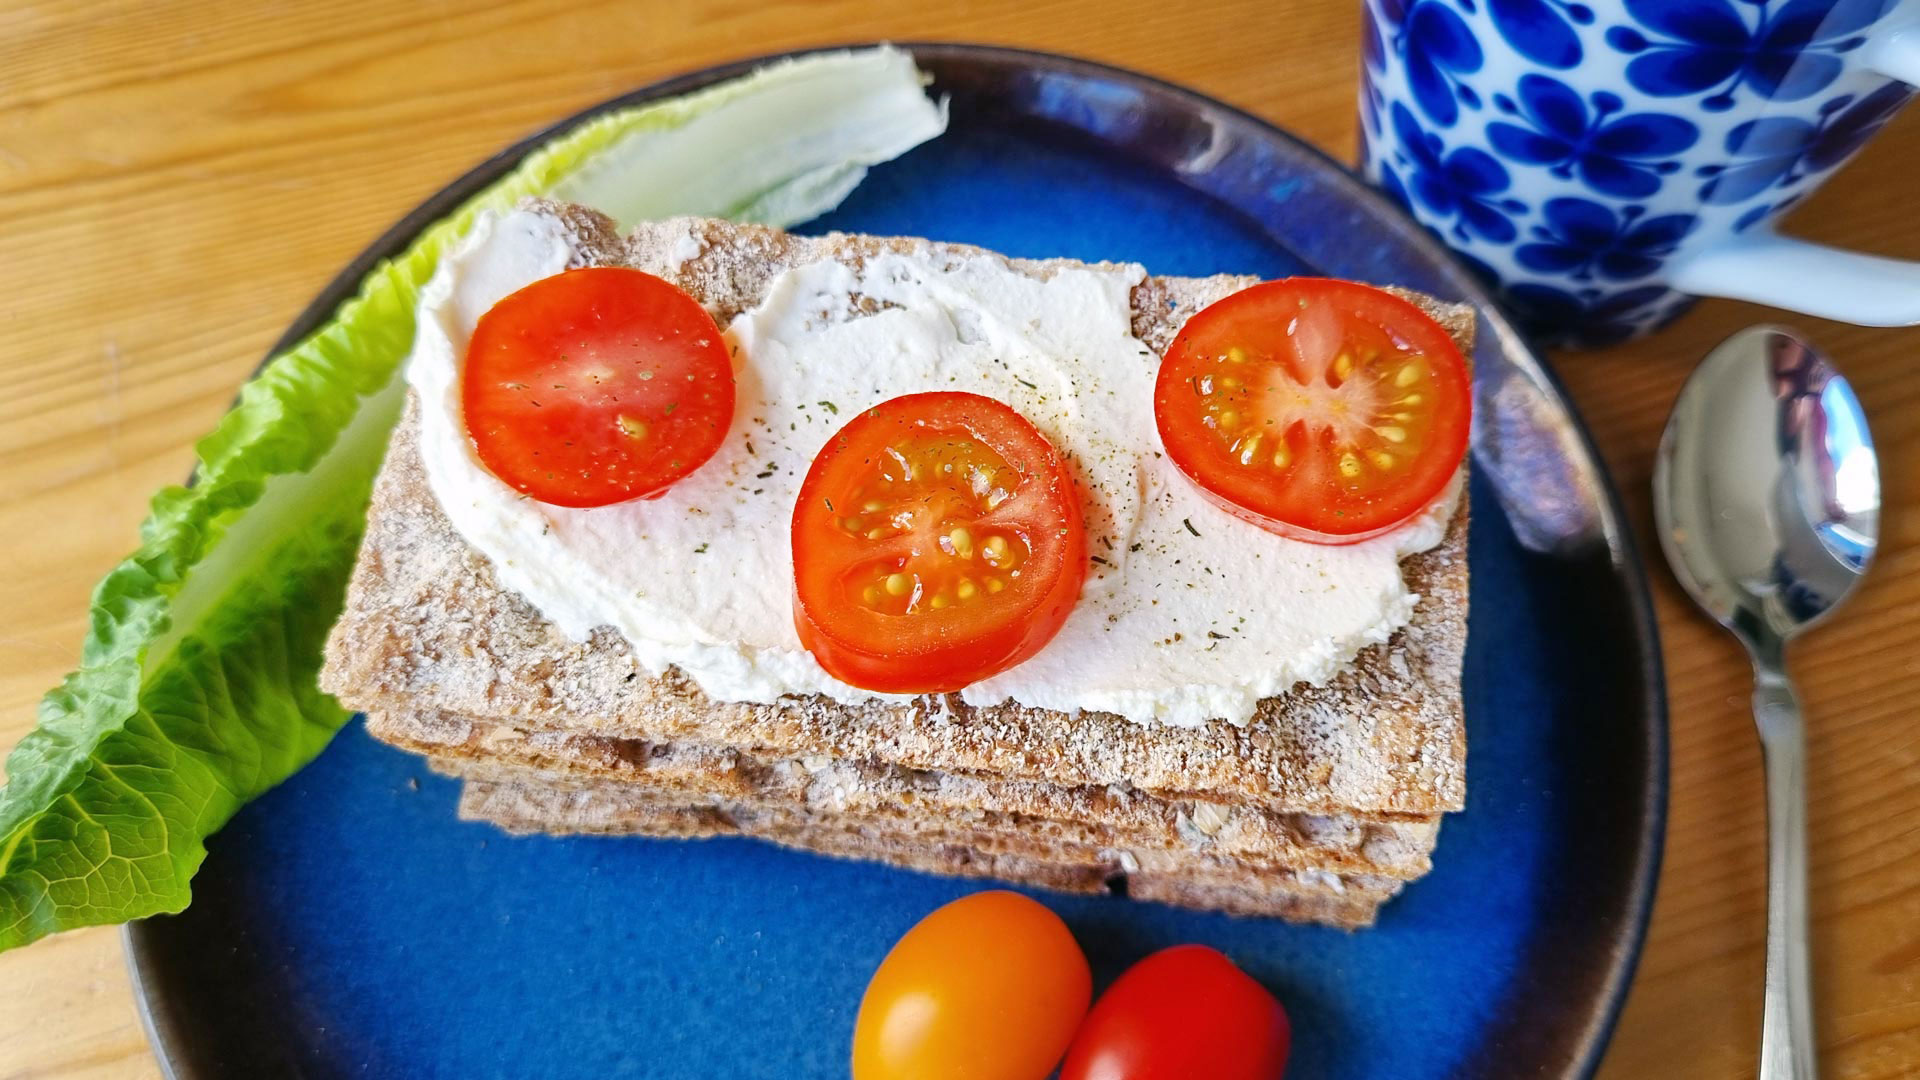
(1040, 570)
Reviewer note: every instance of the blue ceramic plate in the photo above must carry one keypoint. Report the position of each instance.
(347, 925)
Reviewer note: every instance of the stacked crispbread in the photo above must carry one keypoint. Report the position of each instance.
(1319, 809)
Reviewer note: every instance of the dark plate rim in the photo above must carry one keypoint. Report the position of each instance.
(164, 1028)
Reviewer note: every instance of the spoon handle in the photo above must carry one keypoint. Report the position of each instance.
(1786, 1031)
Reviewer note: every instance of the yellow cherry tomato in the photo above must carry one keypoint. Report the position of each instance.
(989, 987)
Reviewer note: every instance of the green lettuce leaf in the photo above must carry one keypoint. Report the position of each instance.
(196, 686)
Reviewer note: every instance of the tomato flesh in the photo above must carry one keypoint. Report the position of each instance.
(596, 386)
(1182, 1012)
(1323, 410)
(988, 987)
(937, 540)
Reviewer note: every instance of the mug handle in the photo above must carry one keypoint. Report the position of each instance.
(1798, 275)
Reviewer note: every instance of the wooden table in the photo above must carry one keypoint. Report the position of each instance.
(177, 179)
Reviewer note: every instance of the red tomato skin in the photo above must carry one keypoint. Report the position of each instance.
(1298, 532)
(961, 657)
(1184, 1013)
(939, 673)
(553, 371)
(1185, 447)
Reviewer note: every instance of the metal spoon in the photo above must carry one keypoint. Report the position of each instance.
(1767, 495)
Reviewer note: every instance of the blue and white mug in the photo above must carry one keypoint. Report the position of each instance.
(1605, 161)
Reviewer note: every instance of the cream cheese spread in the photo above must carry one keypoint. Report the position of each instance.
(1189, 615)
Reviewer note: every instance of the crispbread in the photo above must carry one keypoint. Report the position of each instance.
(1116, 817)
(984, 832)
(523, 808)
(428, 629)
(606, 806)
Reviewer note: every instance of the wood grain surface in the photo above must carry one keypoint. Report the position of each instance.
(178, 178)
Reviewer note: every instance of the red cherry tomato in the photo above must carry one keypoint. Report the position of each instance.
(936, 540)
(1184, 1013)
(1326, 411)
(596, 386)
(989, 987)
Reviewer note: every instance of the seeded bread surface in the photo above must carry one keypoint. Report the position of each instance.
(694, 774)
(428, 629)
(533, 808)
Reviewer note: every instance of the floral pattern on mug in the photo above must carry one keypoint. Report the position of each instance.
(1541, 30)
(1582, 239)
(1789, 53)
(1464, 186)
(1434, 44)
(1779, 150)
(1616, 155)
(1571, 150)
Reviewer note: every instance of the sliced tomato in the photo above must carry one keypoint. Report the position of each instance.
(1322, 410)
(596, 386)
(937, 540)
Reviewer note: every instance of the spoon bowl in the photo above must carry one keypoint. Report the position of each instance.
(1766, 488)
(1767, 496)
